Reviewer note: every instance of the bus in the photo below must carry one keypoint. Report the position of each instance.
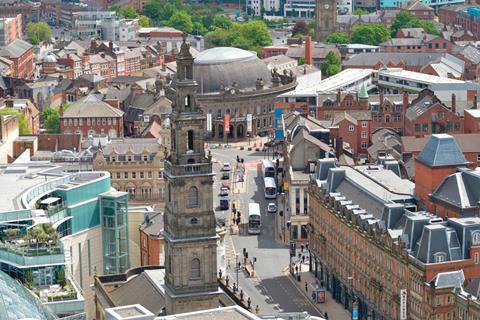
(254, 219)
(268, 169)
(270, 188)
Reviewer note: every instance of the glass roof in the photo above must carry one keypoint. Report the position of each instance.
(17, 303)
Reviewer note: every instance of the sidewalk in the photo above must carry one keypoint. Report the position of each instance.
(335, 311)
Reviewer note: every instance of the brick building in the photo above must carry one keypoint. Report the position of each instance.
(10, 29)
(468, 17)
(31, 113)
(29, 10)
(428, 43)
(369, 244)
(91, 116)
(21, 54)
(440, 157)
(420, 10)
(389, 112)
(151, 240)
(471, 121)
(427, 115)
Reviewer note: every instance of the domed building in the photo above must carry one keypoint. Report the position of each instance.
(236, 82)
(49, 64)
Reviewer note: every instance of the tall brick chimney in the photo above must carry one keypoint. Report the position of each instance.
(308, 50)
(454, 104)
(381, 98)
(61, 110)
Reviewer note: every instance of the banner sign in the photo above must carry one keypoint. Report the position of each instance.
(403, 304)
(278, 125)
(209, 122)
(226, 123)
(249, 122)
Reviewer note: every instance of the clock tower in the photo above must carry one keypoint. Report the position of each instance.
(189, 220)
(325, 19)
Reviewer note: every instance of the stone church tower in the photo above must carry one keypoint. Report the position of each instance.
(325, 19)
(189, 221)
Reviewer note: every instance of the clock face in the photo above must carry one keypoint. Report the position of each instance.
(326, 6)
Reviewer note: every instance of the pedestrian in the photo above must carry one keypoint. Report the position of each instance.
(301, 248)
(296, 269)
(306, 246)
(299, 256)
(321, 283)
(306, 286)
(326, 316)
(303, 259)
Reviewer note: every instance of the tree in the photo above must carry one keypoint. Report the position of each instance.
(128, 12)
(152, 10)
(29, 280)
(359, 11)
(51, 119)
(331, 66)
(38, 32)
(23, 127)
(409, 20)
(221, 21)
(300, 28)
(60, 277)
(143, 21)
(370, 33)
(181, 20)
(337, 38)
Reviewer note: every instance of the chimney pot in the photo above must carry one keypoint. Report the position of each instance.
(308, 51)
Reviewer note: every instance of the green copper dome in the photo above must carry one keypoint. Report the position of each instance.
(363, 94)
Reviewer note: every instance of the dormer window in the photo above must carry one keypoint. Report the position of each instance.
(113, 158)
(440, 257)
(145, 157)
(476, 238)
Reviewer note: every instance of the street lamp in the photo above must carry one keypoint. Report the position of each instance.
(238, 267)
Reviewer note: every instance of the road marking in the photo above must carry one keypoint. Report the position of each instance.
(304, 294)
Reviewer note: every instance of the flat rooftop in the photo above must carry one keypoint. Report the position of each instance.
(230, 313)
(420, 77)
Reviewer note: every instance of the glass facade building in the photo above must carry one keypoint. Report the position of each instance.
(114, 208)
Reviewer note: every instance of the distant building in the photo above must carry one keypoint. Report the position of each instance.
(151, 240)
(263, 7)
(90, 116)
(29, 10)
(10, 29)
(471, 120)
(463, 15)
(427, 43)
(136, 167)
(30, 112)
(105, 25)
(21, 54)
(419, 9)
(8, 133)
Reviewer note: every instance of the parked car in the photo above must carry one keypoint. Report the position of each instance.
(271, 207)
(226, 166)
(225, 176)
(223, 192)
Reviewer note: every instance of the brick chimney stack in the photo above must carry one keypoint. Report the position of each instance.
(308, 50)
(454, 104)
(61, 110)
(381, 98)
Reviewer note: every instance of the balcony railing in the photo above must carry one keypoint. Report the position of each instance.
(31, 255)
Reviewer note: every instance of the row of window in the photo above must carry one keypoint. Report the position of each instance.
(129, 158)
(448, 127)
(134, 175)
(90, 121)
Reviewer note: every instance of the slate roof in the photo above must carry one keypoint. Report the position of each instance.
(442, 150)
(473, 287)
(89, 107)
(154, 226)
(414, 59)
(318, 52)
(352, 115)
(460, 190)
(385, 138)
(452, 279)
(137, 146)
(415, 5)
(469, 52)
(422, 104)
(15, 49)
(140, 288)
(412, 32)
(407, 41)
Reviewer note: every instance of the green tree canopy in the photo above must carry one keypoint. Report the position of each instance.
(370, 33)
(38, 32)
(23, 126)
(249, 36)
(221, 21)
(331, 66)
(143, 22)
(128, 12)
(409, 20)
(359, 11)
(181, 20)
(300, 28)
(51, 119)
(337, 38)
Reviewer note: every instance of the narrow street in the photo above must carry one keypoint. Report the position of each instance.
(270, 289)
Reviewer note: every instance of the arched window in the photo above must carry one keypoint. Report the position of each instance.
(476, 239)
(195, 269)
(187, 101)
(192, 197)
